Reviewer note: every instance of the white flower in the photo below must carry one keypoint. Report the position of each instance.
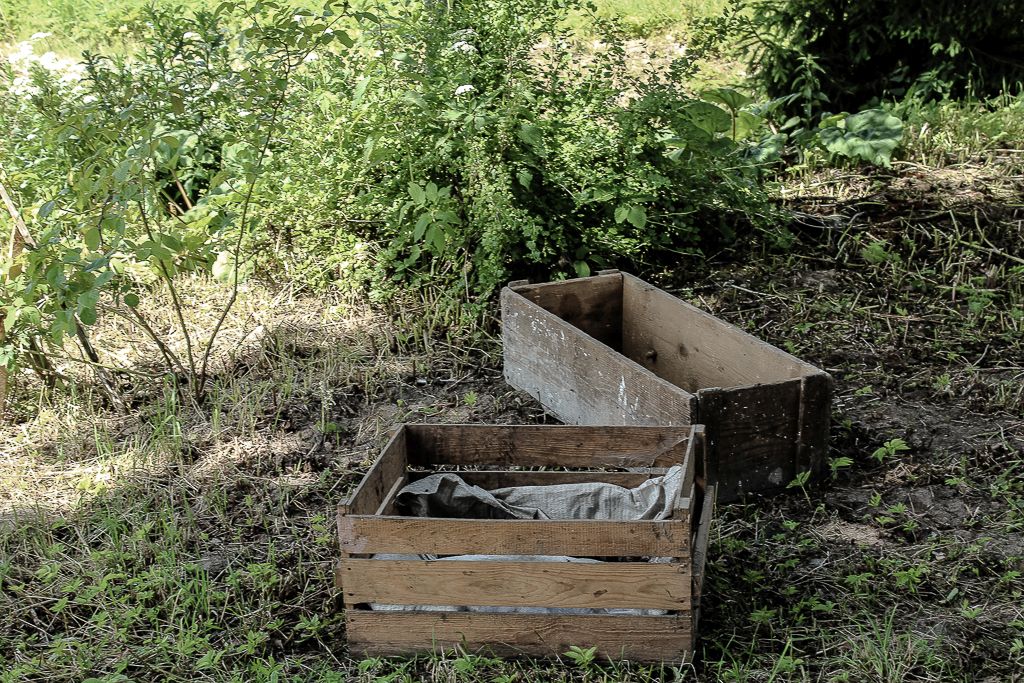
(465, 33)
(463, 46)
(311, 57)
(328, 31)
(191, 35)
(214, 87)
(88, 99)
(464, 90)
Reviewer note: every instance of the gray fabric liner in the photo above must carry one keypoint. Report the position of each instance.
(447, 495)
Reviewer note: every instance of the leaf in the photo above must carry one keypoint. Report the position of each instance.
(732, 99)
(708, 117)
(525, 178)
(92, 239)
(531, 135)
(432, 191)
(88, 316)
(871, 135)
(421, 226)
(582, 269)
(417, 194)
(131, 300)
(621, 212)
(638, 217)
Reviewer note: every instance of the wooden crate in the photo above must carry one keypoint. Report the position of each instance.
(368, 526)
(615, 350)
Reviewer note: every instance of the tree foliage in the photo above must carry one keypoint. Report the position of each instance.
(857, 51)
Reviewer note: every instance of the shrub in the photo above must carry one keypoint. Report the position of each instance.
(845, 54)
(478, 140)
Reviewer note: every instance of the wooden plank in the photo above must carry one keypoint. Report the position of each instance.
(591, 304)
(638, 585)
(545, 445)
(388, 467)
(389, 504)
(641, 638)
(752, 434)
(693, 349)
(700, 544)
(815, 419)
(579, 379)
(494, 479)
(366, 534)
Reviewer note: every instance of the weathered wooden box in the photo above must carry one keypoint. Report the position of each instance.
(614, 350)
(625, 605)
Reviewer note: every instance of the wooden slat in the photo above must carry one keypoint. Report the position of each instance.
(753, 436)
(693, 349)
(639, 585)
(361, 534)
(494, 479)
(579, 379)
(700, 544)
(667, 638)
(592, 304)
(815, 419)
(389, 505)
(545, 445)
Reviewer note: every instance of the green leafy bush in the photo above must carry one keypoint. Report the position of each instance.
(846, 54)
(472, 141)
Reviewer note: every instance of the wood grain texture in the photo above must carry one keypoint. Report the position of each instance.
(377, 482)
(658, 639)
(546, 445)
(367, 534)
(752, 434)
(693, 349)
(630, 585)
(815, 420)
(495, 479)
(592, 304)
(579, 379)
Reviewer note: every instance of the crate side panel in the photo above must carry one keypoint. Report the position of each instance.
(638, 585)
(577, 378)
(593, 304)
(641, 638)
(581, 538)
(546, 445)
(693, 349)
(752, 434)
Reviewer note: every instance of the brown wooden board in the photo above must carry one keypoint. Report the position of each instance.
(625, 585)
(545, 445)
(757, 427)
(643, 638)
(596, 310)
(693, 349)
(578, 378)
(369, 534)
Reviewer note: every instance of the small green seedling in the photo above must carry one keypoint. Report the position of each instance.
(889, 449)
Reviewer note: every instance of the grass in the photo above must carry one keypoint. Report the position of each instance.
(194, 542)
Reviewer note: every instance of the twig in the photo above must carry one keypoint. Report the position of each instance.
(174, 298)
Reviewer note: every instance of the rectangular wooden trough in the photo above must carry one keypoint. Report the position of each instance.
(614, 350)
(625, 605)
